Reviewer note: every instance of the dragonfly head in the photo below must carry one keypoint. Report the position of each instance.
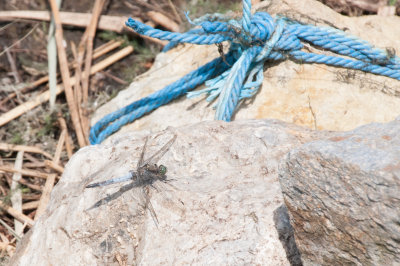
(162, 170)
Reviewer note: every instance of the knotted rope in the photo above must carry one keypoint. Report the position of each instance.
(238, 74)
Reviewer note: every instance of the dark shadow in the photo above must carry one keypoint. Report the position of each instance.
(286, 235)
(113, 196)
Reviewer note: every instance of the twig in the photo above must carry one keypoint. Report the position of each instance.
(91, 31)
(153, 7)
(43, 97)
(20, 40)
(8, 25)
(54, 166)
(24, 172)
(44, 199)
(31, 196)
(32, 186)
(25, 89)
(52, 61)
(35, 165)
(16, 195)
(79, 91)
(18, 237)
(78, 56)
(54, 163)
(16, 214)
(62, 56)
(59, 148)
(30, 205)
(163, 20)
(105, 48)
(32, 149)
(116, 79)
(112, 23)
(48, 187)
(178, 18)
(67, 140)
(13, 66)
(31, 158)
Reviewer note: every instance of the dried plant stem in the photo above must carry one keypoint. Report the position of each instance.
(30, 205)
(48, 187)
(81, 87)
(32, 149)
(32, 186)
(18, 237)
(67, 141)
(16, 194)
(23, 38)
(62, 56)
(54, 166)
(91, 29)
(112, 23)
(116, 79)
(163, 20)
(24, 172)
(13, 66)
(16, 214)
(105, 48)
(78, 56)
(178, 18)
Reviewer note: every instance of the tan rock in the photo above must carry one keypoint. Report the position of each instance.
(224, 207)
(312, 95)
(342, 194)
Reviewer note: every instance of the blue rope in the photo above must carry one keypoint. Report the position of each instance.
(254, 39)
(114, 121)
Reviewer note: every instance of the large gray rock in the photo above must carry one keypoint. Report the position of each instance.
(225, 206)
(343, 196)
(312, 95)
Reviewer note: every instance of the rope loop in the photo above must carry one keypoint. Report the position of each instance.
(238, 74)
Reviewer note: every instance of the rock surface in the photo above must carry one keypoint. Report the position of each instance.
(224, 206)
(312, 95)
(343, 196)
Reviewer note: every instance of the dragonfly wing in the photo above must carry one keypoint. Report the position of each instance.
(156, 156)
(114, 195)
(140, 162)
(168, 193)
(148, 205)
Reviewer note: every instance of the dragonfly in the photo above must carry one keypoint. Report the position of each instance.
(144, 176)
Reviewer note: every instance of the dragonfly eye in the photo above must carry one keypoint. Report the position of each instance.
(162, 169)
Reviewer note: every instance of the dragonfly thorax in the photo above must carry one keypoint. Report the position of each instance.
(152, 172)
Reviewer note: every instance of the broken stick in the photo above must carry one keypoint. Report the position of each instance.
(65, 75)
(16, 214)
(32, 149)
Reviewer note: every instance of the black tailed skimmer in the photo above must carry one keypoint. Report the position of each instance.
(146, 173)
